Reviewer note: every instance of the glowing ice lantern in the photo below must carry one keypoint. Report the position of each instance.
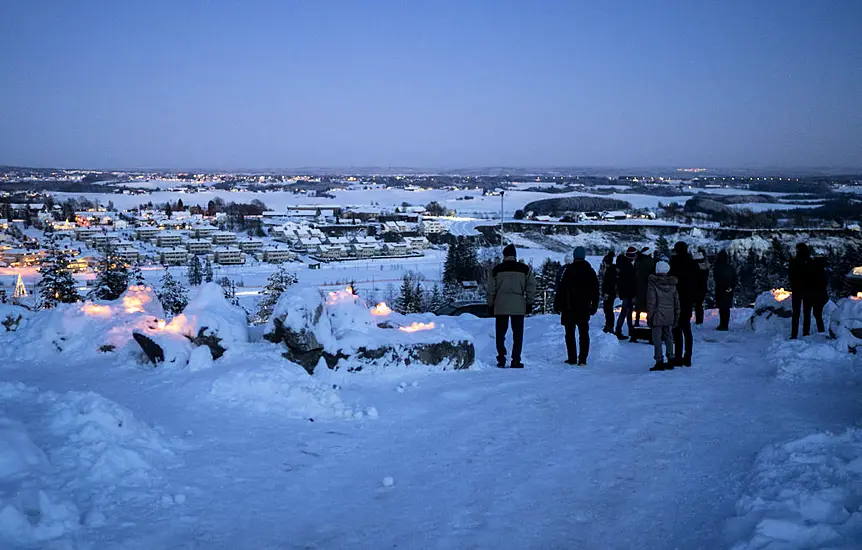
(780, 294)
(381, 309)
(416, 327)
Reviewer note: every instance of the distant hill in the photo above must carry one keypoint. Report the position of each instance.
(562, 205)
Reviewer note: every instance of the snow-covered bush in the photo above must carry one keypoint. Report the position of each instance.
(845, 324)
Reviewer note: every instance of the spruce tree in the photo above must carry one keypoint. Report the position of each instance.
(546, 284)
(276, 284)
(419, 304)
(663, 246)
(172, 294)
(450, 265)
(208, 271)
(405, 302)
(195, 273)
(229, 290)
(137, 276)
(57, 285)
(113, 277)
(435, 299)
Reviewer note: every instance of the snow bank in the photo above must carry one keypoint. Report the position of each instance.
(845, 324)
(209, 310)
(60, 454)
(803, 494)
(773, 312)
(86, 328)
(812, 359)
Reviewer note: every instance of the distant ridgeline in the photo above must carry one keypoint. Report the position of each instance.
(563, 205)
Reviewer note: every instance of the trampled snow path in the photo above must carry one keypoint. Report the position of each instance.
(611, 456)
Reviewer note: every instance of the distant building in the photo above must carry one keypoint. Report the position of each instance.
(169, 239)
(173, 256)
(199, 246)
(250, 245)
(431, 227)
(146, 233)
(228, 255)
(417, 243)
(277, 254)
(224, 237)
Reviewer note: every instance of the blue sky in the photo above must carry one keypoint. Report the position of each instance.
(287, 84)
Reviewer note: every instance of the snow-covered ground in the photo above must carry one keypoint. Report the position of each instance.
(105, 451)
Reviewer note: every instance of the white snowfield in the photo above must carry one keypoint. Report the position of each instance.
(104, 451)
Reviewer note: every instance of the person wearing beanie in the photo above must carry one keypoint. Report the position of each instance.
(511, 294)
(627, 289)
(644, 267)
(577, 300)
(663, 310)
(608, 279)
(701, 285)
(684, 269)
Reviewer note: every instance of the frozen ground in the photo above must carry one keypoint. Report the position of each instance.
(253, 453)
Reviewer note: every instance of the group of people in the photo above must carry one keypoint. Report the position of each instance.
(669, 291)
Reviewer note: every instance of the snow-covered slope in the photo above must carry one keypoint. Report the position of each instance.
(104, 451)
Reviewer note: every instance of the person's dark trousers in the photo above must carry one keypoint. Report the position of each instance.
(723, 318)
(682, 342)
(517, 337)
(608, 307)
(698, 313)
(638, 318)
(625, 315)
(800, 303)
(583, 326)
(817, 310)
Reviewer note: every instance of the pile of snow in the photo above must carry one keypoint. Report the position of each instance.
(803, 494)
(62, 455)
(275, 388)
(773, 311)
(814, 358)
(87, 328)
(13, 317)
(845, 324)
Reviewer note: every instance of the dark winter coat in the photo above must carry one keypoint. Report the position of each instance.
(578, 296)
(559, 278)
(725, 281)
(701, 283)
(511, 288)
(799, 274)
(819, 279)
(627, 284)
(644, 267)
(662, 301)
(684, 269)
(608, 276)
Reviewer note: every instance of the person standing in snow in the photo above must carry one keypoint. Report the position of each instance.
(663, 310)
(627, 289)
(701, 285)
(644, 267)
(608, 278)
(685, 270)
(510, 295)
(577, 300)
(725, 283)
(800, 287)
(819, 289)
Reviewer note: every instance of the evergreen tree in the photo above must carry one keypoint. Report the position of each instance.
(450, 265)
(405, 302)
(113, 277)
(172, 294)
(276, 284)
(418, 304)
(168, 209)
(229, 289)
(435, 299)
(28, 218)
(57, 285)
(195, 273)
(137, 276)
(663, 246)
(208, 271)
(546, 284)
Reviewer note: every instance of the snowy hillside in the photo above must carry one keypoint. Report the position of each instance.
(101, 449)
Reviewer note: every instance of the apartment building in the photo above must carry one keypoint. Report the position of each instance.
(173, 256)
(224, 237)
(277, 254)
(250, 245)
(199, 246)
(146, 233)
(228, 255)
(169, 239)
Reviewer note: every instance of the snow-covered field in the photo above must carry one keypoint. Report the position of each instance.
(101, 450)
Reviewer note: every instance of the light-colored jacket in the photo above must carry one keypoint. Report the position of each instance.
(511, 287)
(662, 301)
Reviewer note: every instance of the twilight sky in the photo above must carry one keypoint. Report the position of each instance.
(449, 83)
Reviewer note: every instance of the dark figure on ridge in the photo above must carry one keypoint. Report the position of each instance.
(800, 275)
(608, 279)
(644, 267)
(577, 300)
(662, 314)
(701, 285)
(725, 283)
(627, 289)
(684, 269)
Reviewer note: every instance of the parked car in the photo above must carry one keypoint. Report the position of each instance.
(479, 309)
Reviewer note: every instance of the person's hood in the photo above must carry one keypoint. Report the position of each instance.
(663, 280)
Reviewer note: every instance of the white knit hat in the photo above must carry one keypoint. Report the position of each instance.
(662, 267)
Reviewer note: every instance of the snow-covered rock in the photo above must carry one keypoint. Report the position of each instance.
(845, 324)
(803, 494)
(773, 310)
(345, 333)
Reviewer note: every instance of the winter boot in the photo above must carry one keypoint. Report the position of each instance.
(686, 361)
(582, 362)
(501, 363)
(516, 365)
(659, 365)
(620, 336)
(571, 361)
